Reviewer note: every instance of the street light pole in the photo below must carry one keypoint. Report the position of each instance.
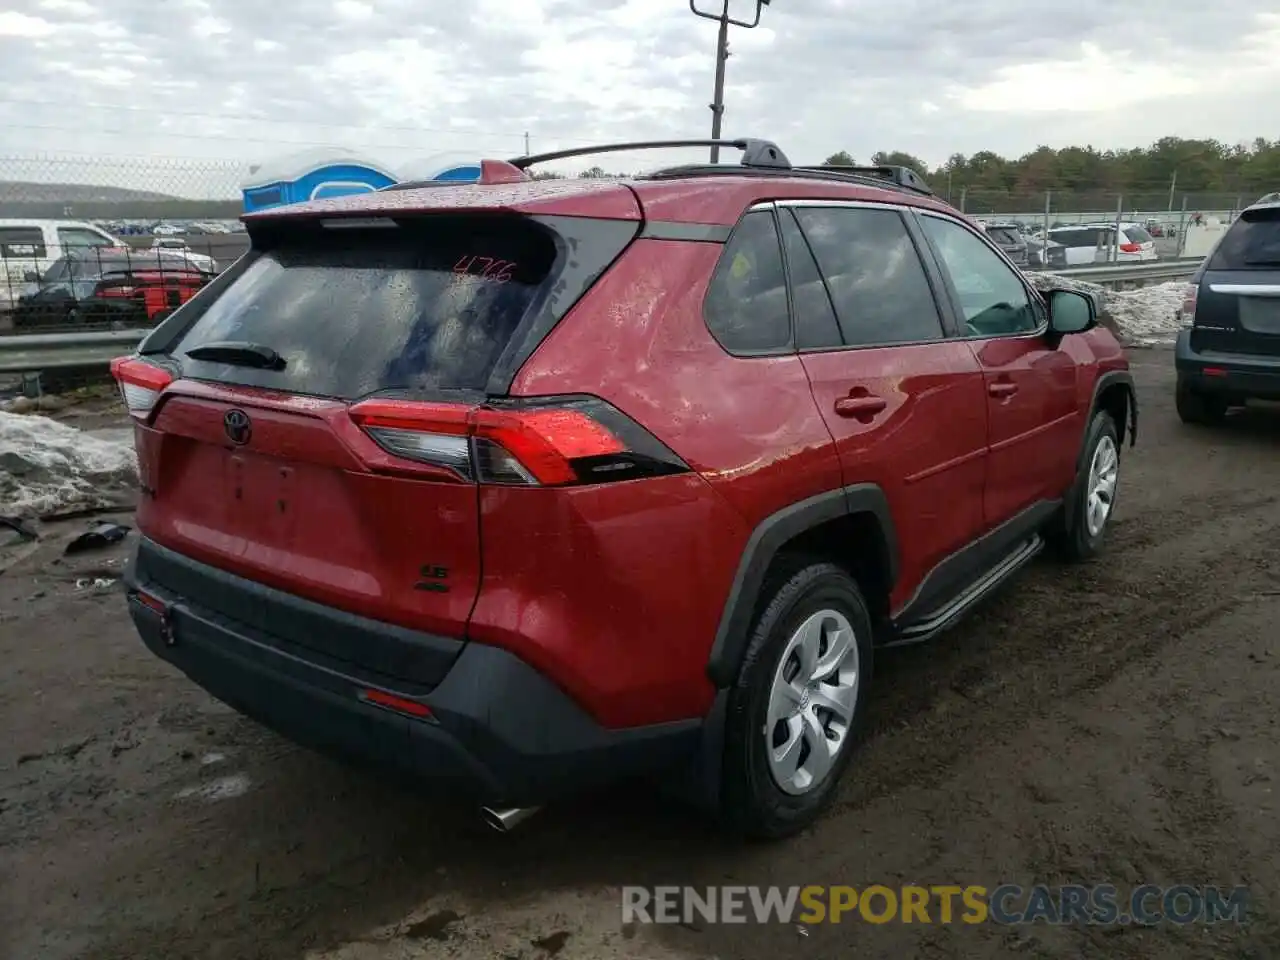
(722, 55)
(717, 101)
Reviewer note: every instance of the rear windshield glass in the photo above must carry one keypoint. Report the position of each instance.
(1137, 235)
(1006, 236)
(1253, 242)
(424, 305)
(1075, 237)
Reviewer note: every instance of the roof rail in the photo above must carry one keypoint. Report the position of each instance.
(900, 176)
(838, 174)
(755, 153)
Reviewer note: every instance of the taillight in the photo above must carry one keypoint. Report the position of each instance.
(107, 290)
(547, 442)
(1130, 248)
(140, 384)
(1189, 295)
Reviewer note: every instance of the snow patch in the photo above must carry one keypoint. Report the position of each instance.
(1143, 317)
(48, 467)
(1148, 315)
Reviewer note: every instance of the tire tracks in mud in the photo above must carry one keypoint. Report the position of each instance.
(1058, 632)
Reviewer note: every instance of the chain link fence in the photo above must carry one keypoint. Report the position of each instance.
(136, 189)
(146, 233)
(180, 215)
(1075, 202)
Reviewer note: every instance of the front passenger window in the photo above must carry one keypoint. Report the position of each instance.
(992, 296)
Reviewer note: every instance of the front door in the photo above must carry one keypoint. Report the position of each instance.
(904, 402)
(1033, 412)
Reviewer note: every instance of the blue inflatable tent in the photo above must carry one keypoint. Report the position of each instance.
(312, 176)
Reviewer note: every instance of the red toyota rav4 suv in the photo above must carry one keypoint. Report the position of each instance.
(524, 486)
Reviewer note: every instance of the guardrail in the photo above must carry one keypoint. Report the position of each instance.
(1108, 273)
(67, 351)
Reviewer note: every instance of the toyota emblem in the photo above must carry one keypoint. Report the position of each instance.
(238, 426)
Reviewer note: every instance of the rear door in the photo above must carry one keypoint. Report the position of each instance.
(904, 402)
(1238, 306)
(260, 469)
(1033, 418)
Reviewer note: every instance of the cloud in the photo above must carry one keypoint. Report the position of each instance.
(242, 81)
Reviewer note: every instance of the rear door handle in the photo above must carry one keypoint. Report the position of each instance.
(860, 406)
(1002, 389)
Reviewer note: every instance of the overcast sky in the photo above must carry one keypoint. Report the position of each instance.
(401, 80)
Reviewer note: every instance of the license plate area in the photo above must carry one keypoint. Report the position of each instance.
(259, 495)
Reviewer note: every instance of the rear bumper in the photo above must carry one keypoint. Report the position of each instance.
(499, 733)
(1227, 374)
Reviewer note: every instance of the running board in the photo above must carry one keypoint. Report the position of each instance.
(935, 623)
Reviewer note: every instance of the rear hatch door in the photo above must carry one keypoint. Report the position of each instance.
(255, 466)
(1238, 302)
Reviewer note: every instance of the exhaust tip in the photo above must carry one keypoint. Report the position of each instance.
(506, 819)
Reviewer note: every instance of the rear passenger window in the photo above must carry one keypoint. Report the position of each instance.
(815, 320)
(746, 305)
(878, 285)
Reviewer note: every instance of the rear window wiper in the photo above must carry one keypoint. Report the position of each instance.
(238, 353)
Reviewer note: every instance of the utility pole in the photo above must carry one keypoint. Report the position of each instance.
(722, 55)
(527, 151)
(1172, 186)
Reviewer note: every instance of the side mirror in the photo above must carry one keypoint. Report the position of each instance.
(1071, 312)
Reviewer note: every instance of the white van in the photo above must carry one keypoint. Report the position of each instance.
(29, 247)
(1095, 243)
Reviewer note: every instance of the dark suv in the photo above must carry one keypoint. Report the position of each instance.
(524, 486)
(1008, 237)
(1229, 350)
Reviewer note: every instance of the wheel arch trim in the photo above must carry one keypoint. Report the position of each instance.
(764, 544)
(1105, 381)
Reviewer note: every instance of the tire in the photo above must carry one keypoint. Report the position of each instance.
(824, 599)
(1198, 408)
(1078, 536)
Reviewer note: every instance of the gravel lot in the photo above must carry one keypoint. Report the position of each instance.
(1115, 722)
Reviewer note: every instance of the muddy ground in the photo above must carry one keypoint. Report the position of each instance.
(1112, 722)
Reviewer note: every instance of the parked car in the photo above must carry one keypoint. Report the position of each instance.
(176, 246)
(1045, 253)
(29, 247)
(1229, 349)
(1008, 237)
(524, 486)
(114, 286)
(1096, 243)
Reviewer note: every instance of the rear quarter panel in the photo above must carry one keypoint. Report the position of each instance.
(648, 564)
